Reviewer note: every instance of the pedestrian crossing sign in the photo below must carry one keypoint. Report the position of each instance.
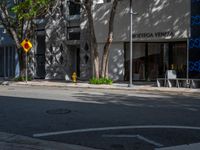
(27, 45)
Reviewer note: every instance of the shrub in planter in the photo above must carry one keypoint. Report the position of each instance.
(100, 81)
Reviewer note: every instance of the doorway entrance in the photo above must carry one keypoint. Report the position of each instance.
(40, 57)
(75, 58)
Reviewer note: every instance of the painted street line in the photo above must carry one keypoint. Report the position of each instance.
(148, 95)
(114, 128)
(149, 141)
(135, 136)
(195, 146)
(119, 136)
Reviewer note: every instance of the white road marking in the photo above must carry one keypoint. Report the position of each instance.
(135, 136)
(148, 95)
(195, 146)
(119, 136)
(115, 128)
(149, 141)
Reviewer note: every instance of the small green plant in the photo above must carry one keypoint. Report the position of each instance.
(100, 81)
(22, 78)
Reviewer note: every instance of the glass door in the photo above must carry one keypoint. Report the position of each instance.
(157, 60)
(138, 59)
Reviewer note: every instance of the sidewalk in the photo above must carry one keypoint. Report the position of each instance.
(18, 142)
(114, 86)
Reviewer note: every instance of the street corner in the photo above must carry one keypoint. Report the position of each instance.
(10, 141)
(131, 137)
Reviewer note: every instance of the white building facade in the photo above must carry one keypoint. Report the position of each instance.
(165, 35)
(161, 30)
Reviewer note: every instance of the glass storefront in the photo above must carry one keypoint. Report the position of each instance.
(7, 61)
(151, 60)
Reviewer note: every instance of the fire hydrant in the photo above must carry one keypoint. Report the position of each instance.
(74, 77)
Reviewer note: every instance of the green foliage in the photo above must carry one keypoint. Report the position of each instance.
(23, 78)
(30, 9)
(100, 81)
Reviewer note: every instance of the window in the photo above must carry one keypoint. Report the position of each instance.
(73, 33)
(74, 9)
(151, 60)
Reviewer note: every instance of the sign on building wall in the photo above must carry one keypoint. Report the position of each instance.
(155, 20)
(194, 59)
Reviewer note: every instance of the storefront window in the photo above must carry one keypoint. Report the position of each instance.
(152, 60)
(155, 60)
(1, 62)
(178, 58)
(138, 59)
(7, 61)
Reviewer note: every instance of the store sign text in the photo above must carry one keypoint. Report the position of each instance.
(154, 35)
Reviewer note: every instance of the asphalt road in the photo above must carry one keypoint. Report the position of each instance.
(110, 120)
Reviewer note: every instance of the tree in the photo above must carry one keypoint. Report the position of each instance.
(105, 57)
(19, 23)
(93, 42)
(88, 6)
(17, 17)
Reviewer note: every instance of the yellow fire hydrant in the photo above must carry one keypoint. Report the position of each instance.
(74, 77)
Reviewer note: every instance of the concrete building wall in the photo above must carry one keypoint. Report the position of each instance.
(116, 61)
(57, 60)
(156, 20)
(165, 19)
(60, 52)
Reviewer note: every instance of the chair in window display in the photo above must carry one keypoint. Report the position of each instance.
(170, 78)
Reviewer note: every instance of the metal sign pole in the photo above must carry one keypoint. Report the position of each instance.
(188, 47)
(27, 45)
(131, 44)
(187, 71)
(26, 67)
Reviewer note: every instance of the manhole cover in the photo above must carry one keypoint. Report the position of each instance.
(58, 111)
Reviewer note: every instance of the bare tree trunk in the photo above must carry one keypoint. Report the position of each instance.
(105, 57)
(93, 41)
(6, 22)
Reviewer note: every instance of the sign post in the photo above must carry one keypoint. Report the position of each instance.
(27, 45)
(131, 44)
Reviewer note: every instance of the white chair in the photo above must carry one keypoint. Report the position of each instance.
(170, 75)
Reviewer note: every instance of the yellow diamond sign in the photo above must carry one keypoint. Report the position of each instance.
(27, 45)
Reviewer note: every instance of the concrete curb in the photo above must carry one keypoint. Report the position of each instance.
(138, 88)
(17, 142)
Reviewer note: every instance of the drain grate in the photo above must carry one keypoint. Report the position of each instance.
(61, 111)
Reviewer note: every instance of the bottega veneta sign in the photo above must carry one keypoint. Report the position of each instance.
(154, 35)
